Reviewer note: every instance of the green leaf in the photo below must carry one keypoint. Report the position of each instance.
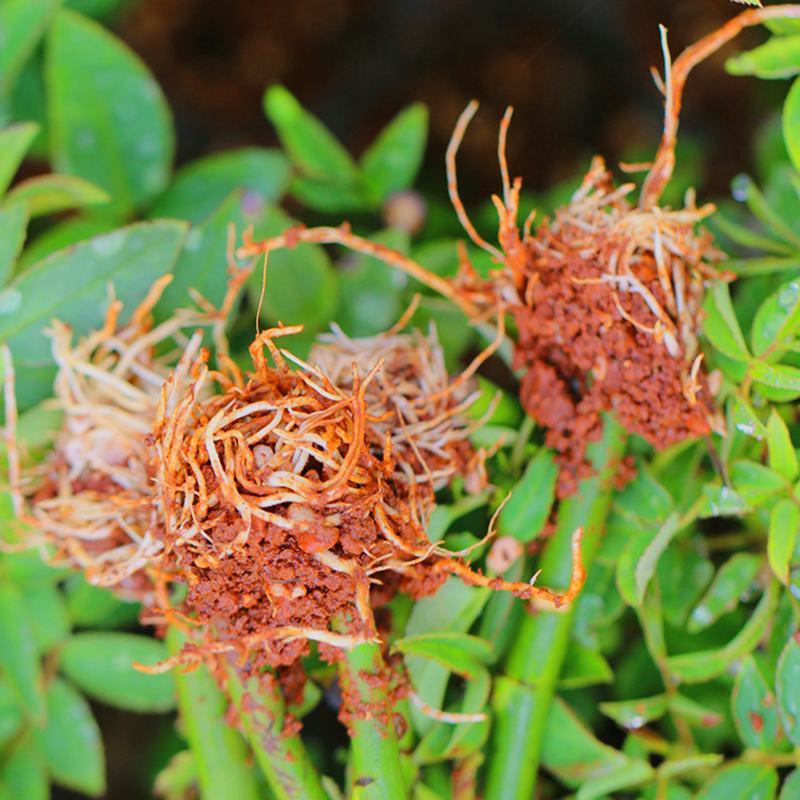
(791, 123)
(325, 195)
(680, 766)
(11, 717)
(14, 143)
(777, 58)
(787, 685)
(732, 580)
(92, 607)
(18, 655)
(791, 786)
(721, 501)
(753, 708)
(634, 714)
(453, 608)
(199, 188)
(13, 224)
(71, 742)
(23, 774)
(766, 265)
(703, 665)
(646, 565)
(720, 325)
(579, 759)
(49, 194)
(61, 235)
(371, 295)
(783, 26)
(392, 161)
(72, 285)
(458, 652)
(741, 782)
(302, 286)
(754, 482)
(692, 711)
(784, 522)
(584, 666)
(776, 322)
(775, 220)
(310, 145)
(200, 265)
(47, 615)
(101, 664)
(109, 121)
(22, 23)
(528, 508)
(778, 376)
(782, 457)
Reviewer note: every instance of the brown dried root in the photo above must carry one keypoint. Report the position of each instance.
(92, 499)
(285, 494)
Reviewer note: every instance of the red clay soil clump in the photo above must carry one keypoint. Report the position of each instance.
(610, 305)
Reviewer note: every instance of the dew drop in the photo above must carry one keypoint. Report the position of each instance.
(788, 295)
(109, 244)
(740, 187)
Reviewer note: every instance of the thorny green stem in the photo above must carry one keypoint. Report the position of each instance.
(219, 751)
(376, 770)
(523, 695)
(281, 755)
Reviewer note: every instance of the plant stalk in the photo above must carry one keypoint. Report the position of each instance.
(523, 695)
(376, 769)
(281, 755)
(219, 751)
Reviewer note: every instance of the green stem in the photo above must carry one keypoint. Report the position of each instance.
(281, 755)
(523, 695)
(219, 751)
(376, 770)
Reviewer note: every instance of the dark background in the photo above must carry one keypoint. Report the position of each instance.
(577, 72)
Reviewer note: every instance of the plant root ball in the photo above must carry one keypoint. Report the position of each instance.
(608, 314)
(92, 498)
(287, 493)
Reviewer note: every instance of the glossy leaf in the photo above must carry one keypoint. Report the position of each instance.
(754, 709)
(392, 161)
(70, 743)
(579, 759)
(47, 614)
(791, 123)
(787, 685)
(732, 580)
(14, 143)
(779, 57)
(703, 665)
(777, 322)
(526, 511)
(101, 664)
(791, 786)
(49, 194)
(198, 189)
(584, 666)
(634, 714)
(720, 325)
(72, 285)
(13, 224)
(784, 522)
(458, 652)
(23, 773)
(11, 716)
(61, 235)
(782, 457)
(92, 607)
(778, 376)
(741, 782)
(19, 658)
(310, 145)
(754, 482)
(22, 23)
(109, 121)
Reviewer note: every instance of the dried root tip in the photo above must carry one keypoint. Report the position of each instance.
(525, 591)
(449, 717)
